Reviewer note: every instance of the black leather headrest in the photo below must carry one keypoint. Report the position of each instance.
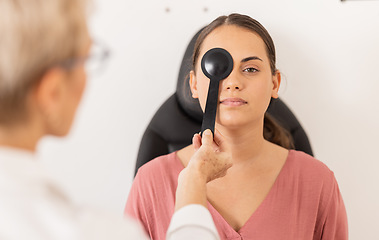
(189, 105)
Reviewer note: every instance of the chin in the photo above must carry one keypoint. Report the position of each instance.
(59, 130)
(232, 123)
(59, 133)
(236, 120)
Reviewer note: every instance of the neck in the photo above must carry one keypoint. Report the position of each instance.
(246, 143)
(24, 136)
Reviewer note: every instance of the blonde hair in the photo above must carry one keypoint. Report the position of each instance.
(34, 36)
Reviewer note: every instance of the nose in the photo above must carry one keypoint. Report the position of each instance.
(232, 82)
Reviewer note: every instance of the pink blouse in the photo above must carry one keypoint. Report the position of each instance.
(304, 202)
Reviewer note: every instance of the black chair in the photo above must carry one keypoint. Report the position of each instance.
(180, 116)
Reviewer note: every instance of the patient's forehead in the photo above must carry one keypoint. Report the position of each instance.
(238, 41)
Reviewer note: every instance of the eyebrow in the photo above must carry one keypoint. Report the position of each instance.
(251, 58)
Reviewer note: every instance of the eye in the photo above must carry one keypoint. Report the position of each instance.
(251, 70)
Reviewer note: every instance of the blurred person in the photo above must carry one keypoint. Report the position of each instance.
(44, 47)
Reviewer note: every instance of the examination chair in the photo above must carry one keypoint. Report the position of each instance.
(180, 116)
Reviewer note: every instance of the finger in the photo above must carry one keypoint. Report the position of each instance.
(207, 138)
(196, 141)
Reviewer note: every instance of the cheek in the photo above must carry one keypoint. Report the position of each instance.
(80, 83)
(264, 89)
(261, 92)
(75, 88)
(202, 91)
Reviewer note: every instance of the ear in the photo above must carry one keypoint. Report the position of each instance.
(193, 84)
(48, 93)
(276, 80)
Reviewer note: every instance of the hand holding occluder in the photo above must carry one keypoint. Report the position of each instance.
(211, 157)
(210, 161)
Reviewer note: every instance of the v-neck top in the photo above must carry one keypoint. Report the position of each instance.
(303, 203)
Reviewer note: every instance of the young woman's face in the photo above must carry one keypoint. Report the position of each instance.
(245, 94)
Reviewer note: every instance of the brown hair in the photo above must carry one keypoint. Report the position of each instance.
(272, 132)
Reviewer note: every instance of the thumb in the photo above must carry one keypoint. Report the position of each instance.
(207, 138)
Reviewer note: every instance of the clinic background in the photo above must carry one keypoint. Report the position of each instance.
(327, 51)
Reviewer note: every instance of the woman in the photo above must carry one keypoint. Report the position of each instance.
(44, 45)
(270, 192)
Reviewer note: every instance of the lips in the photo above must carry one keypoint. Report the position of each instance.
(233, 102)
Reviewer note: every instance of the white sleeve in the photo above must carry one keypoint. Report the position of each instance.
(98, 225)
(192, 222)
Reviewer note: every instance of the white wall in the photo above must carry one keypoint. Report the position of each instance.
(328, 51)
